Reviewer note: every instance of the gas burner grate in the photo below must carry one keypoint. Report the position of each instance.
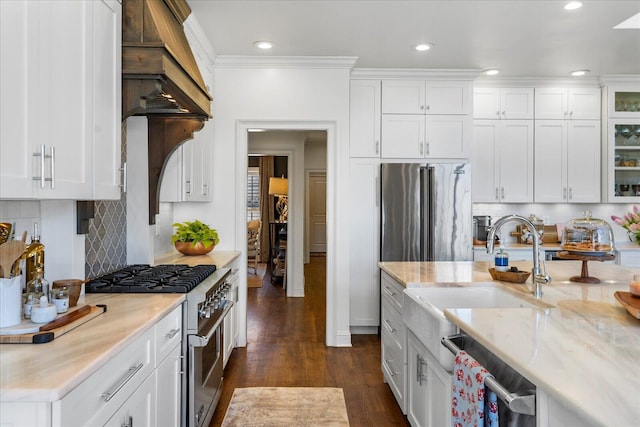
(143, 278)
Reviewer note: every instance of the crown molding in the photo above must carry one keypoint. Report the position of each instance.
(484, 81)
(251, 61)
(405, 73)
(633, 79)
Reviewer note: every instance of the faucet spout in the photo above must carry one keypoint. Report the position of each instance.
(538, 278)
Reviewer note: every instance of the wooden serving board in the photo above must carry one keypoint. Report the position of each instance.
(28, 332)
(630, 302)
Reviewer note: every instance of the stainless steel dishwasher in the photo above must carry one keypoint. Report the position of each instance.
(517, 395)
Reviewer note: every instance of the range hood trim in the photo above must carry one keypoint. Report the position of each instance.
(161, 80)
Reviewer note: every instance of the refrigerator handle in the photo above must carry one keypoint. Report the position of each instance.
(430, 219)
(427, 194)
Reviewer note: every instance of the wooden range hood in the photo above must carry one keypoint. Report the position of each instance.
(161, 80)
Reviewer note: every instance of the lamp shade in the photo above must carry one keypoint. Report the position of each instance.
(278, 186)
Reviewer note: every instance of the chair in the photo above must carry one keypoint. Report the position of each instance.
(253, 244)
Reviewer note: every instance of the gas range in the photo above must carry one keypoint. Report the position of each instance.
(143, 278)
(210, 294)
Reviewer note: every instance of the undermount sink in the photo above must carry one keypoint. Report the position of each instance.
(424, 311)
(439, 299)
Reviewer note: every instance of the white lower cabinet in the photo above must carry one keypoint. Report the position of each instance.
(140, 409)
(428, 398)
(552, 413)
(629, 258)
(139, 386)
(393, 338)
(168, 393)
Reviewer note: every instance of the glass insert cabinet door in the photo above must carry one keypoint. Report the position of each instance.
(624, 142)
(626, 102)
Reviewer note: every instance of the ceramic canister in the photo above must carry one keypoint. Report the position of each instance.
(10, 302)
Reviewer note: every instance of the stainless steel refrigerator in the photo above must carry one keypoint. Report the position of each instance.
(426, 212)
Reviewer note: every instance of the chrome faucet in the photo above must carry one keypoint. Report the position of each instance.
(538, 278)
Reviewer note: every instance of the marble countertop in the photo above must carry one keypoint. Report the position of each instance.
(47, 372)
(218, 258)
(583, 352)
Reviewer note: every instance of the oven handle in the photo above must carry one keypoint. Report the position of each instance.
(518, 403)
(201, 341)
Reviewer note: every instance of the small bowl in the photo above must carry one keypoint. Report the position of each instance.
(43, 313)
(74, 286)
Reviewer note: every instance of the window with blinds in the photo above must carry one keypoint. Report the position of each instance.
(253, 193)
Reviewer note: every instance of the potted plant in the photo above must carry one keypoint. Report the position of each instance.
(194, 238)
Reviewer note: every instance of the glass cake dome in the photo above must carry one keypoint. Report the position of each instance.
(587, 235)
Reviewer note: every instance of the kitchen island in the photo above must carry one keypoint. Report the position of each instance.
(36, 379)
(582, 353)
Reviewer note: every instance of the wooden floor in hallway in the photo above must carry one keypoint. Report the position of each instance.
(286, 348)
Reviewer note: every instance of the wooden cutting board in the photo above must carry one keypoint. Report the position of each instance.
(28, 332)
(630, 302)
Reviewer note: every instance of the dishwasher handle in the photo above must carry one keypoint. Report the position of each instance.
(516, 402)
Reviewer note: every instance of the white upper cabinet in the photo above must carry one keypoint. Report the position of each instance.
(553, 103)
(108, 172)
(409, 136)
(567, 161)
(426, 97)
(503, 103)
(364, 118)
(60, 104)
(502, 161)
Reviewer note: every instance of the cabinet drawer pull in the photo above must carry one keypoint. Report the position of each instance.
(108, 395)
(53, 167)
(420, 376)
(123, 169)
(129, 422)
(497, 193)
(391, 328)
(389, 292)
(377, 147)
(172, 333)
(391, 371)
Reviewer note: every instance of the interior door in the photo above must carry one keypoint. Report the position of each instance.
(318, 212)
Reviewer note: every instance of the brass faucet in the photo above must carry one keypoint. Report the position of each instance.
(538, 278)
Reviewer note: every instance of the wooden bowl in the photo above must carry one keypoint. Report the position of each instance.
(74, 286)
(188, 248)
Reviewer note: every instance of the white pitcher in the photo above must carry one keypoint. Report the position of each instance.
(10, 301)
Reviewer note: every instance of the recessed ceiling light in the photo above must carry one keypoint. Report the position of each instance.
(491, 72)
(579, 73)
(573, 5)
(263, 44)
(422, 47)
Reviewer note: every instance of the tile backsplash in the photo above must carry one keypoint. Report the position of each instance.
(106, 242)
(550, 213)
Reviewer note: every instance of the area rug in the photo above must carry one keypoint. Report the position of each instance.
(254, 280)
(286, 406)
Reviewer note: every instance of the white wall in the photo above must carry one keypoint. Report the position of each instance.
(300, 94)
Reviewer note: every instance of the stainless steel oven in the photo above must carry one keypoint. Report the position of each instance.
(206, 365)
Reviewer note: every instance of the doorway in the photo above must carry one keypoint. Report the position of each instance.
(316, 201)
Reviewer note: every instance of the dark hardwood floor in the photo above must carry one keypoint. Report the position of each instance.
(286, 348)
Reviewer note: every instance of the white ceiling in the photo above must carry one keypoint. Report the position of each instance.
(532, 38)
